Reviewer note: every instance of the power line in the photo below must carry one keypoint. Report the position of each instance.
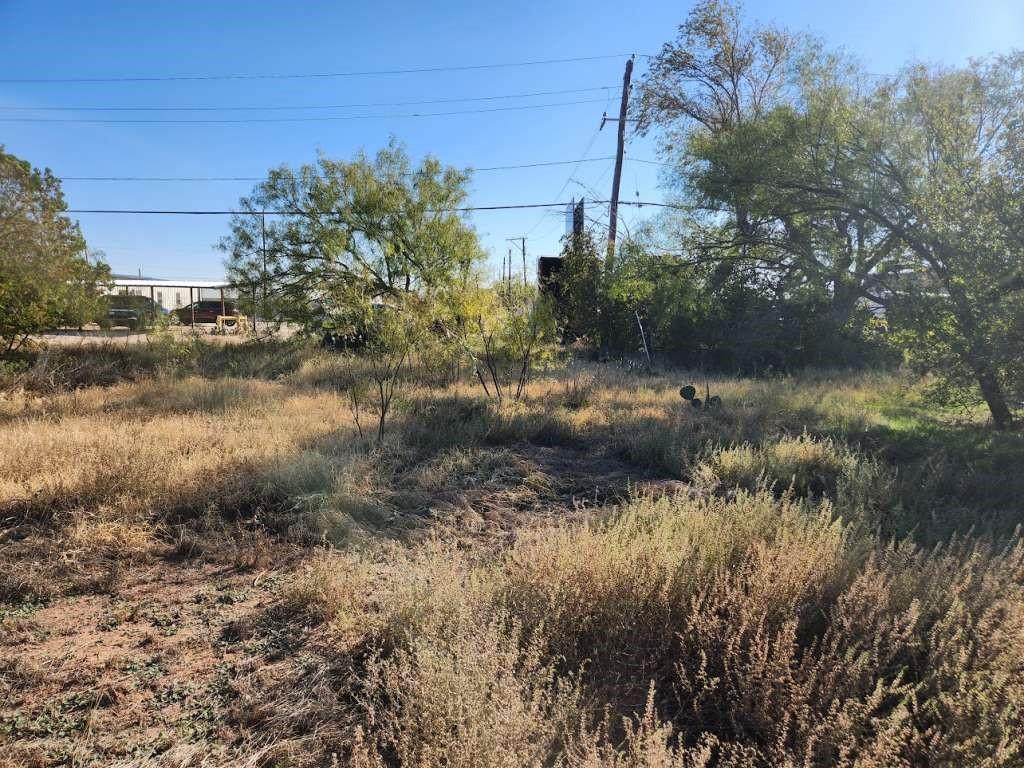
(145, 121)
(586, 151)
(264, 178)
(299, 212)
(164, 178)
(277, 107)
(290, 211)
(295, 76)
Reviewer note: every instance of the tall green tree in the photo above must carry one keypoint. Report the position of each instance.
(925, 170)
(906, 193)
(840, 256)
(936, 159)
(717, 75)
(945, 148)
(345, 233)
(46, 276)
(582, 301)
(715, 94)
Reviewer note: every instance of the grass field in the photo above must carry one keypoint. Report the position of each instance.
(203, 563)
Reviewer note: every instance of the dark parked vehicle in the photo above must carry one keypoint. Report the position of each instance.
(206, 311)
(122, 316)
(133, 312)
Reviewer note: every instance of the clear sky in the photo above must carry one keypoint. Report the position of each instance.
(153, 39)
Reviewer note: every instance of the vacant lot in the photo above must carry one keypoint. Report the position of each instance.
(202, 562)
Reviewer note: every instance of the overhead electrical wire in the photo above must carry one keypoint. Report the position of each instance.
(545, 164)
(306, 75)
(326, 118)
(316, 118)
(299, 212)
(299, 107)
(650, 162)
(583, 157)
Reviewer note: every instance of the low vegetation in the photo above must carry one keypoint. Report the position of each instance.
(469, 529)
(205, 564)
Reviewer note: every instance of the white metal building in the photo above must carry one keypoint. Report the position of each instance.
(174, 294)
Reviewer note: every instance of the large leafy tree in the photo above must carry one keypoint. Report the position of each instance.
(906, 193)
(935, 158)
(346, 233)
(946, 157)
(839, 257)
(46, 276)
(714, 94)
(921, 179)
(716, 76)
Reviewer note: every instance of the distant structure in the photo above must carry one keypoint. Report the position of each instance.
(574, 217)
(549, 268)
(570, 216)
(172, 294)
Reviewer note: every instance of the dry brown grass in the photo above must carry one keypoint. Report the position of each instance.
(747, 632)
(117, 472)
(802, 580)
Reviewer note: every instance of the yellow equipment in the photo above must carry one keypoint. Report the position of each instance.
(236, 323)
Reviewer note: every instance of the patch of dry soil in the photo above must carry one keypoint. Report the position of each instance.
(181, 662)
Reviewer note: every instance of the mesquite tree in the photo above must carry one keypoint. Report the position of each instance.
(344, 232)
(46, 276)
(933, 160)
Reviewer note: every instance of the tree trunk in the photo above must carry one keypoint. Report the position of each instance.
(994, 398)
(980, 358)
(845, 295)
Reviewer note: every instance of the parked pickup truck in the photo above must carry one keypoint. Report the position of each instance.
(206, 311)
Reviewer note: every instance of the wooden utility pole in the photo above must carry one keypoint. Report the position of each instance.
(613, 208)
(263, 245)
(522, 243)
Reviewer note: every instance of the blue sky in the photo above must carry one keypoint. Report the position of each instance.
(134, 39)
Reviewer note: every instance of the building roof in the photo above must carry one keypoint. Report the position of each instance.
(148, 282)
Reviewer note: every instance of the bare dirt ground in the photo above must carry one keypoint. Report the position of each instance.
(533, 484)
(88, 337)
(182, 662)
(128, 674)
(93, 334)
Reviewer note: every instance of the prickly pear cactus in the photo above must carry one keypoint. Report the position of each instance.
(710, 402)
